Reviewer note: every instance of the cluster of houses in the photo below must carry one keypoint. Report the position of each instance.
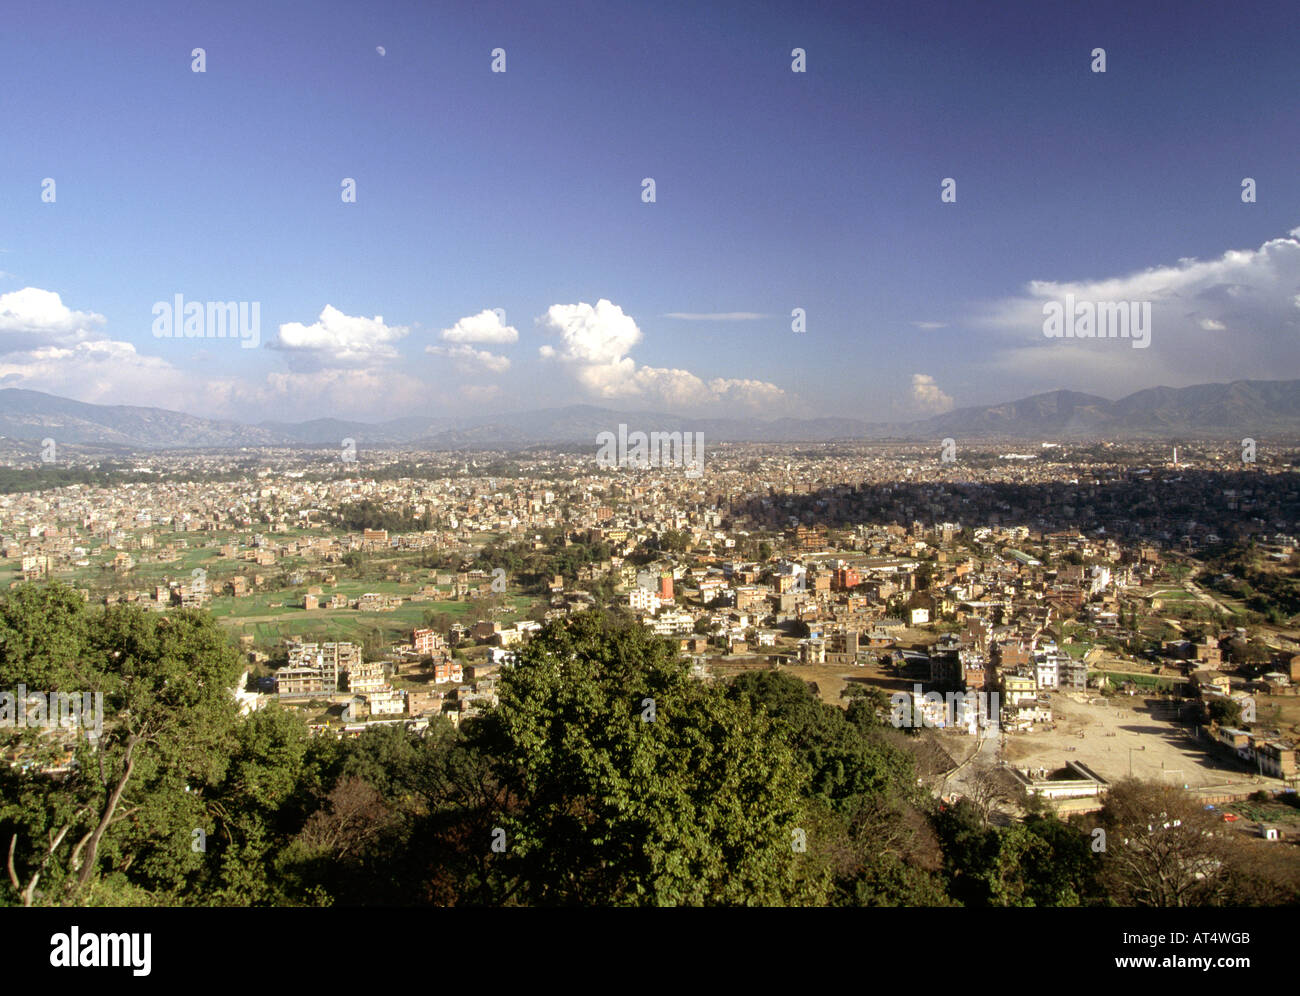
(1269, 753)
(337, 673)
(1015, 668)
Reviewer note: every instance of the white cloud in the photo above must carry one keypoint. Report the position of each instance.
(715, 316)
(599, 335)
(467, 358)
(927, 396)
(338, 340)
(308, 394)
(485, 327)
(751, 394)
(99, 371)
(929, 326)
(1250, 294)
(45, 346)
(594, 346)
(32, 317)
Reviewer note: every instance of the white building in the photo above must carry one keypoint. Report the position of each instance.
(1048, 668)
(643, 600)
(388, 703)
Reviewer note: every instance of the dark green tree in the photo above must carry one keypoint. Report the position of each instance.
(634, 783)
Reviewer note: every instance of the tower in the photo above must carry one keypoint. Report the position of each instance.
(666, 586)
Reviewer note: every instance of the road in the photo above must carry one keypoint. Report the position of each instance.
(983, 757)
(1207, 598)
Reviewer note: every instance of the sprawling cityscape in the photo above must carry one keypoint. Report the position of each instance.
(670, 543)
(1031, 629)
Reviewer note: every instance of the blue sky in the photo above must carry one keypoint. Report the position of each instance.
(522, 191)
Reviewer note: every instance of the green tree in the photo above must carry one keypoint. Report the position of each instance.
(1225, 712)
(130, 803)
(695, 803)
(276, 778)
(869, 836)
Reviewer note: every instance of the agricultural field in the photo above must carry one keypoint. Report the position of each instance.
(1258, 811)
(269, 623)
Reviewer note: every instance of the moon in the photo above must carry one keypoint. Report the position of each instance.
(380, 50)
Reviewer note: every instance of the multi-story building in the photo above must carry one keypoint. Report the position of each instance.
(1073, 675)
(366, 678)
(677, 623)
(643, 600)
(330, 660)
(1276, 759)
(447, 670)
(426, 642)
(812, 651)
(1048, 667)
(386, 702)
(294, 682)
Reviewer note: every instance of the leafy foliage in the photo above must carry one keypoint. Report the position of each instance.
(607, 775)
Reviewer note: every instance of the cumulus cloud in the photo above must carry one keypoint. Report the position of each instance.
(600, 335)
(927, 396)
(594, 343)
(307, 394)
(485, 327)
(338, 340)
(1250, 294)
(468, 359)
(47, 346)
(751, 393)
(98, 371)
(31, 317)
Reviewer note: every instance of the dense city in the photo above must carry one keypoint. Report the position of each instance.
(1030, 626)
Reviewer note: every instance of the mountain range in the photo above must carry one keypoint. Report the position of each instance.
(1257, 408)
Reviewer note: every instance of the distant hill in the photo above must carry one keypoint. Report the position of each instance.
(34, 415)
(1058, 413)
(1241, 408)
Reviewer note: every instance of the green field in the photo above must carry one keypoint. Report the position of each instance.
(1077, 650)
(269, 616)
(1117, 678)
(269, 625)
